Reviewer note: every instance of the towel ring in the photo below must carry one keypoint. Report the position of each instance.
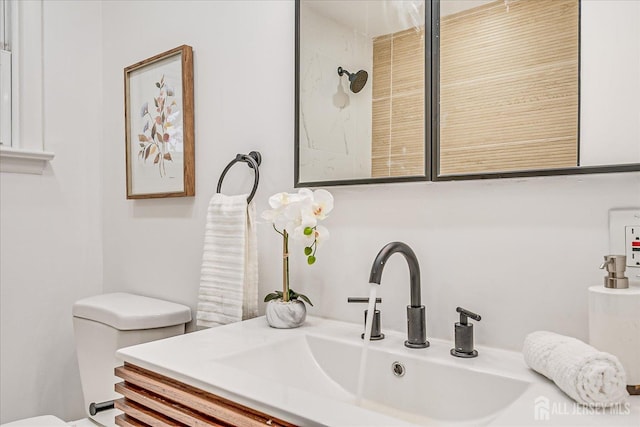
(253, 160)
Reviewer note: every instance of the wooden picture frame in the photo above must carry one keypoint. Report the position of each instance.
(159, 124)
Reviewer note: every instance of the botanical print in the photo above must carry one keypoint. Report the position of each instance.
(156, 152)
(160, 134)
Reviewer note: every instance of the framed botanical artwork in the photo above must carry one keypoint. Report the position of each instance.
(158, 95)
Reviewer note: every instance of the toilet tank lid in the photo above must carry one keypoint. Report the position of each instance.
(125, 311)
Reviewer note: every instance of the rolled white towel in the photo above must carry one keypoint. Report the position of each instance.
(589, 376)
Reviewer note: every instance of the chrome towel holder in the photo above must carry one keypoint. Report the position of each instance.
(253, 160)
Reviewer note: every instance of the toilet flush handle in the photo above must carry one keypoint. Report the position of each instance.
(94, 408)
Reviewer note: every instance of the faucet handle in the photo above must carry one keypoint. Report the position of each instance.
(375, 328)
(362, 299)
(463, 332)
(464, 314)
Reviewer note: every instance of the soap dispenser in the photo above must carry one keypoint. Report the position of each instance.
(614, 319)
(615, 265)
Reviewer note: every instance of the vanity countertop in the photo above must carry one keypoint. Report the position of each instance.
(208, 360)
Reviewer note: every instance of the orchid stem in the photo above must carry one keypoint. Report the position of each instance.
(285, 266)
(278, 231)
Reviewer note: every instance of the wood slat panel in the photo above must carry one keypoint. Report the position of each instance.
(509, 87)
(154, 410)
(144, 414)
(407, 166)
(381, 79)
(407, 125)
(407, 62)
(195, 399)
(125, 420)
(397, 147)
(516, 156)
(381, 106)
(380, 137)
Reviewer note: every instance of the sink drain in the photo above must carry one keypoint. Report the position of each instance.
(398, 369)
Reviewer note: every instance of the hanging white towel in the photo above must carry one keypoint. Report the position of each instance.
(229, 275)
(589, 376)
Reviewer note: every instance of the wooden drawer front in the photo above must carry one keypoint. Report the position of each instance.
(155, 400)
(126, 421)
(153, 410)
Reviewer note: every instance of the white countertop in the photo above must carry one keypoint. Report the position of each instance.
(198, 359)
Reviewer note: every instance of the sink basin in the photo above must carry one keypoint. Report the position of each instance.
(430, 391)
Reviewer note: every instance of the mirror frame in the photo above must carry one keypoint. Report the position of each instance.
(427, 113)
(434, 145)
(431, 123)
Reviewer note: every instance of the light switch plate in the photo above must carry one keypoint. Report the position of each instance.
(624, 227)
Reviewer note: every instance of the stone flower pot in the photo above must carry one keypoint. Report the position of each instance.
(286, 315)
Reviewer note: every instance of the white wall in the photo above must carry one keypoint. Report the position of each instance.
(50, 226)
(521, 252)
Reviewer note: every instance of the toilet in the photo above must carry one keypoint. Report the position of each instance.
(103, 324)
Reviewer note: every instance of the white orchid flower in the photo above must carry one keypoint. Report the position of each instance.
(291, 215)
(306, 239)
(297, 215)
(279, 200)
(270, 214)
(275, 217)
(307, 219)
(305, 194)
(322, 203)
(307, 214)
(318, 235)
(321, 234)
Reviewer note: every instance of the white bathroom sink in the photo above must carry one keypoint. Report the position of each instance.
(308, 376)
(428, 393)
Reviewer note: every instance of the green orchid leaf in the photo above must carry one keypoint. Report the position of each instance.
(293, 295)
(271, 296)
(305, 299)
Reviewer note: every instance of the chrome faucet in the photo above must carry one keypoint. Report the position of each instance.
(416, 323)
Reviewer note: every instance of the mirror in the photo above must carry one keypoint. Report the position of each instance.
(534, 87)
(520, 88)
(360, 91)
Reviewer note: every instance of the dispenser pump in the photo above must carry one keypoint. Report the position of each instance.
(615, 265)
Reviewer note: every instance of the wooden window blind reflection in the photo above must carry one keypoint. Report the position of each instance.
(509, 87)
(397, 147)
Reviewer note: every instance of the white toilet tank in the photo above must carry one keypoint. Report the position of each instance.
(105, 323)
